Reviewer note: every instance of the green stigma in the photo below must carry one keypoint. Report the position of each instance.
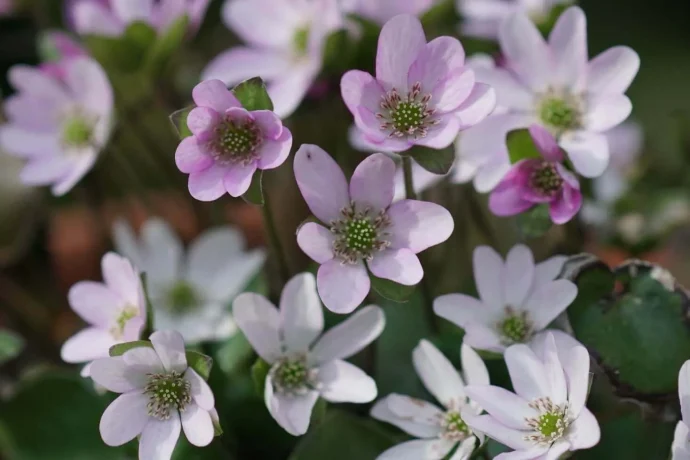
(454, 427)
(238, 140)
(550, 424)
(301, 40)
(546, 179)
(182, 297)
(77, 131)
(167, 392)
(122, 319)
(360, 235)
(560, 114)
(408, 116)
(515, 328)
(291, 376)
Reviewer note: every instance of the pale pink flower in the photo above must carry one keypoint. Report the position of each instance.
(680, 449)
(6, 7)
(381, 11)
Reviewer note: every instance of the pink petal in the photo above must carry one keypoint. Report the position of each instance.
(568, 44)
(526, 52)
(507, 199)
(480, 103)
(201, 121)
(142, 361)
(443, 134)
(259, 320)
(238, 178)
(197, 425)
(124, 419)
(418, 225)
(96, 19)
(289, 89)
(511, 93)
(607, 112)
(31, 113)
(400, 42)
(86, 345)
(612, 71)
(342, 287)
(321, 182)
(81, 163)
(159, 438)
(273, 153)
(132, 10)
(373, 183)
(207, 184)
(122, 278)
(241, 63)
(316, 241)
(270, 124)
(191, 156)
(89, 85)
(115, 375)
(170, 348)
(566, 206)
(263, 23)
(345, 382)
(546, 143)
(399, 265)
(361, 92)
(214, 95)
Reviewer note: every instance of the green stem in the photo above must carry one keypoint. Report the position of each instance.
(275, 245)
(410, 194)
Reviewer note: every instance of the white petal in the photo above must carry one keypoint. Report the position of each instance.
(473, 367)
(489, 276)
(124, 419)
(612, 71)
(211, 252)
(86, 345)
(170, 348)
(576, 368)
(605, 113)
(438, 375)
(116, 376)
(549, 301)
(588, 151)
(555, 377)
(548, 270)
(527, 372)
(508, 408)
(201, 392)
(291, 412)
(163, 251)
(490, 426)
(159, 438)
(143, 360)
(344, 382)
(126, 243)
(197, 425)
(419, 420)
(568, 44)
(301, 313)
(585, 431)
(413, 450)
(681, 442)
(684, 390)
(259, 320)
(518, 275)
(526, 51)
(122, 278)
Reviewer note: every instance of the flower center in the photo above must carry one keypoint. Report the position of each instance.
(454, 427)
(515, 327)
(560, 112)
(406, 116)
(546, 179)
(359, 235)
(127, 313)
(77, 131)
(167, 392)
(237, 142)
(292, 376)
(550, 424)
(182, 297)
(300, 41)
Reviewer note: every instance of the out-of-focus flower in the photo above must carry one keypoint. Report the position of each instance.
(440, 430)
(423, 93)
(228, 143)
(110, 18)
(59, 125)
(554, 85)
(58, 49)
(285, 43)
(6, 7)
(115, 311)
(360, 229)
(517, 298)
(546, 416)
(680, 450)
(483, 18)
(161, 396)
(381, 11)
(305, 364)
(191, 293)
(539, 180)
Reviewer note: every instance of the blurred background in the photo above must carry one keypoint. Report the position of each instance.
(47, 244)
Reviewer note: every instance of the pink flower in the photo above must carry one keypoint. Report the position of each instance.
(58, 123)
(229, 143)
(161, 396)
(66, 48)
(533, 181)
(111, 17)
(115, 311)
(6, 7)
(553, 84)
(285, 41)
(381, 11)
(361, 229)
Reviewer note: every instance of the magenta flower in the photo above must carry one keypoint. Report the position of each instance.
(380, 11)
(423, 93)
(58, 122)
(361, 229)
(229, 143)
(533, 181)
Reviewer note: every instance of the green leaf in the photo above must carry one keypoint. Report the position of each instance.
(434, 161)
(125, 53)
(255, 193)
(11, 345)
(121, 348)
(521, 146)
(338, 51)
(148, 327)
(260, 370)
(179, 122)
(200, 362)
(235, 352)
(167, 44)
(391, 290)
(252, 95)
(535, 222)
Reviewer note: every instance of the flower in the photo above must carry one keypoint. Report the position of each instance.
(111, 18)
(360, 229)
(161, 396)
(482, 18)
(440, 430)
(191, 292)
(285, 44)
(554, 85)
(228, 143)
(115, 311)
(423, 93)
(517, 298)
(546, 416)
(59, 125)
(539, 180)
(304, 363)
(60, 48)
(381, 11)
(681, 440)
(6, 7)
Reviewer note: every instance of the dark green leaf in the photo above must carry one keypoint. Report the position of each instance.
(521, 146)
(179, 121)
(252, 95)
(125, 53)
(167, 44)
(201, 363)
(391, 290)
(535, 222)
(260, 371)
(235, 352)
(255, 193)
(121, 348)
(338, 51)
(148, 327)
(11, 345)
(434, 161)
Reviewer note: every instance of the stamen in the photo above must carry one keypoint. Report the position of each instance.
(545, 179)
(127, 313)
(408, 116)
(167, 392)
(77, 130)
(551, 424)
(182, 297)
(515, 327)
(560, 111)
(292, 376)
(453, 427)
(359, 234)
(236, 142)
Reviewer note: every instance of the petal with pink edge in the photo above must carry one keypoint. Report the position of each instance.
(441, 135)
(400, 42)
(526, 52)
(270, 124)
(342, 287)
(399, 265)
(214, 95)
(418, 225)
(316, 241)
(207, 185)
(273, 153)
(238, 178)
(191, 156)
(373, 183)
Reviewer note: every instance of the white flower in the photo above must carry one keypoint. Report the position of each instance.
(546, 416)
(115, 311)
(161, 396)
(304, 363)
(191, 292)
(438, 430)
(517, 298)
(680, 450)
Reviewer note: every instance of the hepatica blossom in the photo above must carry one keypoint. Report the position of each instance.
(115, 311)
(305, 364)
(58, 123)
(539, 180)
(228, 143)
(439, 430)
(553, 84)
(381, 11)
(360, 229)
(423, 93)
(284, 46)
(191, 292)
(517, 298)
(546, 416)
(160, 397)
(680, 449)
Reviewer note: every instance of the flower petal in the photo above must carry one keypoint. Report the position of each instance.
(488, 273)
(465, 311)
(115, 375)
(122, 278)
(684, 390)
(549, 301)
(612, 71)
(438, 375)
(92, 18)
(342, 287)
(45, 170)
(124, 419)
(418, 225)
(480, 103)
(511, 93)
(292, 412)
(400, 42)
(159, 438)
(443, 134)
(197, 425)
(361, 91)
(132, 10)
(518, 275)
(546, 143)
(238, 178)
(288, 91)
(86, 345)
(241, 63)
(417, 418)
(95, 303)
(207, 185)
(170, 348)
(507, 198)
(270, 124)
(526, 51)
(588, 151)
(163, 251)
(201, 121)
(398, 265)
(214, 95)
(585, 431)
(568, 45)
(576, 368)
(349, 337)
(419, 449)
(555, 377)
(566, 206)
(316, 241)
(263, 23)
(321, 182)
(373, 183)
(607, 112)
(507, 408)
(190, 156)
(301, 314)
(22, 142)
(527, 372)
(345, 382)
(493, 428)
(473, 367)
(201, 392)
(142, 361)
(275, 152)
(259, 320)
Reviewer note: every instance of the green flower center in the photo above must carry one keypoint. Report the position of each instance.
(551, 423)
(300, 40)
(454, 427)
(77, 131)
(561, 114)
(515, 328)
(182, 297)
(127, 313)
(292, 375)
(546, 179)
(359, 235)
(237, 143)
(167, 392)
(407, 115)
